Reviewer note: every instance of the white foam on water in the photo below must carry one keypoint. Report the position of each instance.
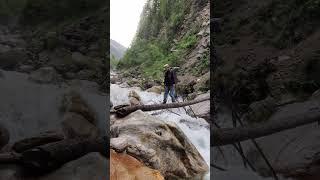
(197, 130)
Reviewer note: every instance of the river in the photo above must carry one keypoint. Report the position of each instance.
(197, 130)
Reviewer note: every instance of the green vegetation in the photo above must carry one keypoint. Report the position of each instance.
(154, 43)
(113, 62)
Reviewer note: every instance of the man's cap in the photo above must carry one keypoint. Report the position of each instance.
(166, 65)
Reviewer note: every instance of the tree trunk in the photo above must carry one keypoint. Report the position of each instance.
(226, 136)
(51, 156)
(122, 111)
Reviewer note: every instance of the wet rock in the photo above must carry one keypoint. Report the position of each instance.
(124, 85)
(155, 89)
(114, 79)
(134, 94)
(91, 166)
(45, 75)
(126, 167)
(73, 102)
(134, 101)
(143, 136)
(74, 125)
(201, 109)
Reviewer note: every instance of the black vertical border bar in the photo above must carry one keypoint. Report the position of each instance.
(212, 69)
(106, 82)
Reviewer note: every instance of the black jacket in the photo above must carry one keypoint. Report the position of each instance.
(170, 77)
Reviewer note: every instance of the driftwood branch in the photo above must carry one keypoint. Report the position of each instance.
(48, 157)
(122, 111)
(226, 136)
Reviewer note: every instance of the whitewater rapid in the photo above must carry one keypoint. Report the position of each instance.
(197, 130)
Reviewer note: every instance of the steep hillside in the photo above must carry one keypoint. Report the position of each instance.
(267, 66)
(116, 49)
(267, 48)
(116, 53)
(174, 32)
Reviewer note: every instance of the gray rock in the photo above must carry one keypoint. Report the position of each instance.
(201, 109)
(26, 68)
(11, 58)
(85, 74)
(74, 125)
(45, 75)
(145, 137)
(91, 166)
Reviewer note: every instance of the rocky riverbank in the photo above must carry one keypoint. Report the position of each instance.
(143, 134)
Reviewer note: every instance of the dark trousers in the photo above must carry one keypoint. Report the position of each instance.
(169, 90)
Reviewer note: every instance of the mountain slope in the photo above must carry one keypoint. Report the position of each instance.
(116, 49)
(171, 32)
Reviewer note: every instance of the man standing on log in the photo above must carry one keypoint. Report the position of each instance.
(170, 79)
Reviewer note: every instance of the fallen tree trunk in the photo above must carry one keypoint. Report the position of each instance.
(51, 156)
(48, 157)
(226, 136)
(122, 111)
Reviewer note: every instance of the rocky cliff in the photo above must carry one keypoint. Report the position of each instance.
(266, 63)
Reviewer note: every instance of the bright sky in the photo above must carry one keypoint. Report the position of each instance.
(124, 19)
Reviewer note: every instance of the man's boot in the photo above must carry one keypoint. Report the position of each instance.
(164, 102)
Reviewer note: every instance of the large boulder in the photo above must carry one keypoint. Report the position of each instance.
(155, 89)
(160, 145)
(73, 102)
(126, 167)
(45, 75)
(134, 101)
(134, 94)
(185, 85)
(75, 125)
(91, 166)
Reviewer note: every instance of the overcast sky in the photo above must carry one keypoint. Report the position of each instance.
(124, 19)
